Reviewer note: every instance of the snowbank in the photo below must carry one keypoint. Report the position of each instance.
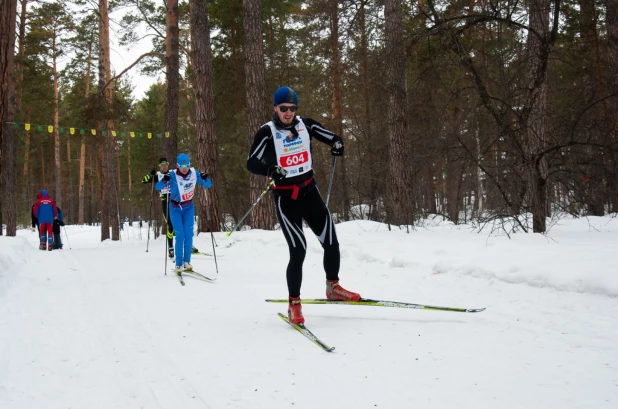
(576, 255)
(16, 252)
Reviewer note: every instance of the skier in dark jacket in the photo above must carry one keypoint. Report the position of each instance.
(35, 221)
(281, 150)
(58, 222)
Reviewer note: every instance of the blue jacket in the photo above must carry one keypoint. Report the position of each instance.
(44, 209)
(174, 192)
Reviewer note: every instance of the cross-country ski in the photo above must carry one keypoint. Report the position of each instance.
(379, 303)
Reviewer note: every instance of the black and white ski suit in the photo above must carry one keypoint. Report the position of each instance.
(154, 177)
(296, 196)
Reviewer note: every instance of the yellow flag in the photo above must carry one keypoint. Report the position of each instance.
(132, 134)
(72, 131)
(149, 135)
(113, 133)
(50, 128)
(167, 134)
(27, 126)
(93, 131)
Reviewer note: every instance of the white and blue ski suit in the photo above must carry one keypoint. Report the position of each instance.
(181, 209)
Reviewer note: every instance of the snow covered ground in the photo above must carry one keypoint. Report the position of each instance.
(100, 326)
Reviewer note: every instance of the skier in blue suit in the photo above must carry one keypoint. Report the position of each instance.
(182, 183)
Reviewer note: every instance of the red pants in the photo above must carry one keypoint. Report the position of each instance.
(46, 229)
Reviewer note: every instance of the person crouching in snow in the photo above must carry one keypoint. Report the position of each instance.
(182, 183)
(45, 211)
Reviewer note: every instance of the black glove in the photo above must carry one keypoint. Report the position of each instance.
(153, 172)
(166, 177)
(277, 173)
(204, 175)
(337, 149)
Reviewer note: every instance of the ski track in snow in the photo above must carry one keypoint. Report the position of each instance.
(101, 326)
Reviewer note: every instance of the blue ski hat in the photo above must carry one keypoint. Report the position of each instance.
(43, 193)
(285, 95)
(183, 159)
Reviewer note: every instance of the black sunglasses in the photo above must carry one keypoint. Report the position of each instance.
(285, 109)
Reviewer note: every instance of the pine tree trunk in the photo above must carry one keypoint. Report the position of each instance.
(130, 184)
(170, 120)
(82, 151)
(263, 214)
(68, 202)
(26, 174)
(534, 118)
(205, 113)
(611, 13)
(588, 37)
(103, 209)
(58, 176)
(42, 156)
(371, 149)
(399, 207)
(22, 46)
(236, 65)
(82, 173)
(107, 151)
(336, 104)
(8, 169)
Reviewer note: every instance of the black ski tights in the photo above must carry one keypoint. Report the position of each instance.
(291, 214)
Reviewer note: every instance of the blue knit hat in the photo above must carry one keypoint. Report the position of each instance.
(183, 159)
(285, 95)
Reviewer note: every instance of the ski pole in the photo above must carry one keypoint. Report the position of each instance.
(67, 236)
(212, 236)
(270, 185)
(332, 175)
(167, 210)
(150, 216)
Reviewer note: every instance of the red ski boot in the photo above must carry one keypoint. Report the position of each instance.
(336, 292)
(49, 246)
(295, 312)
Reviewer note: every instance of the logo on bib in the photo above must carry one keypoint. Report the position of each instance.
(292, 140)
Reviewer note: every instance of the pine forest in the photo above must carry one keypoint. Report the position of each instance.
(477, 111)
